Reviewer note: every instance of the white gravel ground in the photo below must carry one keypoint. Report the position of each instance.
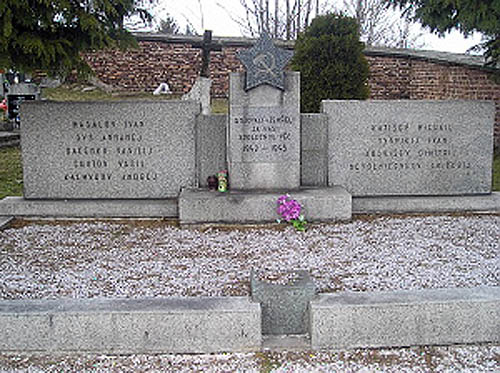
(111, 259)
(135, 259)
(485, 358)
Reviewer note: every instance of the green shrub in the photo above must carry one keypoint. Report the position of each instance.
(330, 59)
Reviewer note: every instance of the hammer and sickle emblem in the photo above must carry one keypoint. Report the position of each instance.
(266, 64)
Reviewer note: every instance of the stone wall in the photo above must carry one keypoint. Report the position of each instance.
(395, 74)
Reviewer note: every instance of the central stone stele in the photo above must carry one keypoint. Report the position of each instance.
(264, 121)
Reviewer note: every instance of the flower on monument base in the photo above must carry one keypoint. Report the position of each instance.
(289, 210)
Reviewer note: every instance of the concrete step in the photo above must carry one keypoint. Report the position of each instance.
(198, 206)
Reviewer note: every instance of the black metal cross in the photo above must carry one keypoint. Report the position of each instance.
(206, 47)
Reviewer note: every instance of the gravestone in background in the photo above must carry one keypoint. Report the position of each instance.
(108, 150)
(264, 121)
(410, 147)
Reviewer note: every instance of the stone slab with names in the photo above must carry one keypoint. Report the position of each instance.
(108, 150)
(264, 121)
(264, 135)
(410, 147)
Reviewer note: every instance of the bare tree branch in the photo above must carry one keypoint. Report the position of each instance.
(281, 18)
(380, 25)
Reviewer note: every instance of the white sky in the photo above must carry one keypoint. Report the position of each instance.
(218, 20)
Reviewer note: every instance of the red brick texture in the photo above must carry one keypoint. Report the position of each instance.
(391, 77)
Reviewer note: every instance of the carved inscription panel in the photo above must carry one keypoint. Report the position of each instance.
(108, 150)
(264, 135)
(410, 147)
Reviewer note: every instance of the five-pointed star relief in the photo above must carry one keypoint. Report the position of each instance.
(265, 63)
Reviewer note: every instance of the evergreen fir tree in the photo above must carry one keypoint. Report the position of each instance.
(465, 16)
(330, 59)
(51, 34)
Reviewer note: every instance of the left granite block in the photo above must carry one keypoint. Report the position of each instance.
(150, 325)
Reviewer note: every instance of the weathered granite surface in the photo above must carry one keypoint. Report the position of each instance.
(108, 150)
(410, 147)
(200, 92)
(149, 325)
(285, 307)
(198, 206)
(405, 318)
(84, 208)
(426, 204)
(314, 150)
(211, 153)
(264, 135)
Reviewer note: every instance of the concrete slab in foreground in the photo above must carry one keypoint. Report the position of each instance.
(156, 325)
(406, 318)
(318, 204)
(81, 208)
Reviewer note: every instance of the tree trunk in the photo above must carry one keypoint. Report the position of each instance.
(308, 12)
(268, 28)
(276, 14)
(288, 20)
(299, 8)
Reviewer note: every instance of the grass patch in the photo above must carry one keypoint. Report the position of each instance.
(496, 172)
(76, 93)
(220, 106)
(11, 172)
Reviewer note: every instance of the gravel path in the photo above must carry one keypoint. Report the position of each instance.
(136, 259)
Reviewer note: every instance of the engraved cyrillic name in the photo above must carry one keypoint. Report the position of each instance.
(264, 135)
(406, 146)
(109, 150)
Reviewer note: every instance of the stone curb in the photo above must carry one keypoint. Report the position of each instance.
(233, 324)
(406, 318)
(155, 325)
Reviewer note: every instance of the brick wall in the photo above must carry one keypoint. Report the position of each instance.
(144, 68)
(391, 76)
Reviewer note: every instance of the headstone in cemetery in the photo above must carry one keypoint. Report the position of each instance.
(18, 93)
(410, 147)
(264, 121)
(108, 150)
(162, 149)
(201, 92)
